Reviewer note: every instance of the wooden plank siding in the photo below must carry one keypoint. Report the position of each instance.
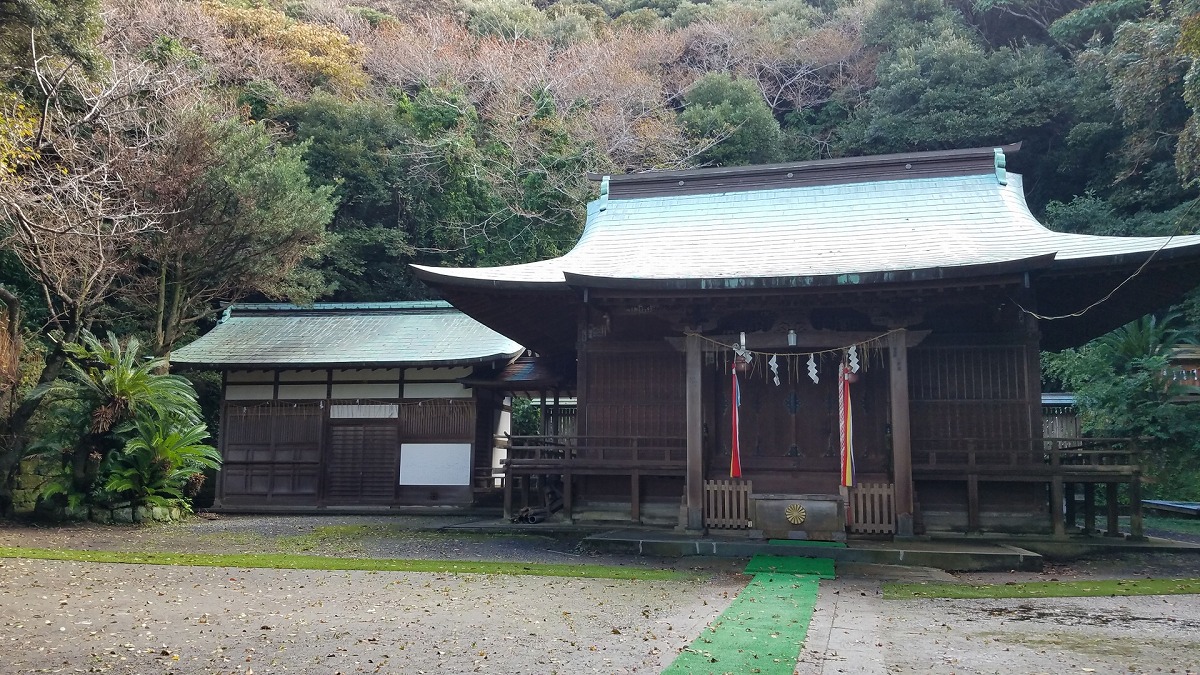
(272, 452)
(633, 394)
(975, 400)
(293, 454)
(361, 464)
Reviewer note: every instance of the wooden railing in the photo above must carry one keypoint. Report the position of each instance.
(727, 504)
(596, 451)
(1060, 462)
(873, 508)
(570, 456)
(1037, 460)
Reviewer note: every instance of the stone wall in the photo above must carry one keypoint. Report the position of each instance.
(32, 475)
(35, 472)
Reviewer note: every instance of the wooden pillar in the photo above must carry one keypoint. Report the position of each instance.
(1056, 492)
(508, 491)
(635, 497)
(1089, 507)
(1136, 531)
(901, 434)
(973, 521)
(1056, 506)
(1113, 508)
(554, 427)
(568, 498)
(1069, 494)
(695, 438)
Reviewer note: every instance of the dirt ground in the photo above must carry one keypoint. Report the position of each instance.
(69, 617)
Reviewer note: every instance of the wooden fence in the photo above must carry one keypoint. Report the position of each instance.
(873, 508)
(727, 504)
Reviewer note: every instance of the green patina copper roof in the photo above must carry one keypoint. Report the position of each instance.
(347, 335)
(844, 234)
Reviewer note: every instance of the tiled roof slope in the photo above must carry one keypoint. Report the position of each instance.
(346, 335)
(811, 235)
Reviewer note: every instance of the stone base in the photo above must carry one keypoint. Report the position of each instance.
(824, 516)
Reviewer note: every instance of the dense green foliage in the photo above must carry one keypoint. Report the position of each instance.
(312, 149)
(122, 430)
(1124, 387)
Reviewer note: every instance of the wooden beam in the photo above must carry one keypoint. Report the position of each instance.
(1089, 508)
(1136, 531)
(901, 431)
(508, 491)
(635, 497)
(1069, 495)
(695, 438)
(1113, 508)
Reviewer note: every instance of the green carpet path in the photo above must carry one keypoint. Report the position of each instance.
(764, 629)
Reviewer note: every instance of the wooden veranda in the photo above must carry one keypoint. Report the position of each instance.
(567, 457)
(1067, 466)
(1060, 463)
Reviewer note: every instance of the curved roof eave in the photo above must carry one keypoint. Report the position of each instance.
(1163, 253)
(800, 281)
(468, 278)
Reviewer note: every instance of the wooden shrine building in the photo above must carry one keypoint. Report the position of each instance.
(352, 405)
(929, 265)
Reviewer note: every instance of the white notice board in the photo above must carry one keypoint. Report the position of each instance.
(435, 463)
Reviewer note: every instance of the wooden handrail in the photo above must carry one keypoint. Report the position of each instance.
(1031, 459)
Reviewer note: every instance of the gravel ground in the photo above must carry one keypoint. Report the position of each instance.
(70, 617)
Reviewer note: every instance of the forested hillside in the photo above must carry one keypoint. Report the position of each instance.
(162, 158)
(461, 131)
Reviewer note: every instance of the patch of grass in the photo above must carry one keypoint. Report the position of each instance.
(348, 538)
(1094, 645)
(1181, 524)
(312, 562)
(1044, 589)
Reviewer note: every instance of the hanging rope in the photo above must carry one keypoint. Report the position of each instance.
(1131, 277)
(835, 350)
(1097, 303)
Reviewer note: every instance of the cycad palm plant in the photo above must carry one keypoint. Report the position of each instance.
(162, 463)
(115, 386)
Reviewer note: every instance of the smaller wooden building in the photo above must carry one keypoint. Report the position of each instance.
(353, 405)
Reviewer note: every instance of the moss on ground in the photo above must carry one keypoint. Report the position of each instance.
(312, 562)
(1044, 589)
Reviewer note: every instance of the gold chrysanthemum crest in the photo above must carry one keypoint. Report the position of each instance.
(795, 514)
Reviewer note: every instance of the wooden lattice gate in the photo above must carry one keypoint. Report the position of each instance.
(873, 508)
(727, 504)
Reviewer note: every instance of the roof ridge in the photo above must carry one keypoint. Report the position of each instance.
(830, 171)
(336, 307)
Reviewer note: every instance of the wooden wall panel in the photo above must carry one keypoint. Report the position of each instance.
(272, 453)
(636, 394)
(972, 395)
(438, 420)
(363, 460)
(789, 433)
